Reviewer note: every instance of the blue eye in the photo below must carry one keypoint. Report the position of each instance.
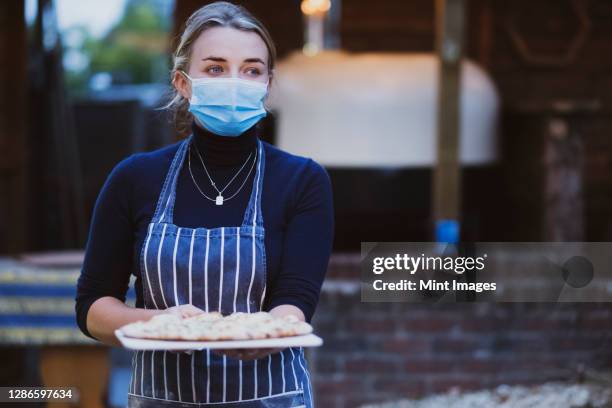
(253, 71)
(215, 69)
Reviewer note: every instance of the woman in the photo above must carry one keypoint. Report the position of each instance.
(221, 221)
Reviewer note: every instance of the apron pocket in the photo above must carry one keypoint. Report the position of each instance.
(137, 401)
(292, 399)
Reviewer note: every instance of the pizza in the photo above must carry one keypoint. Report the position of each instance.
(211, 326)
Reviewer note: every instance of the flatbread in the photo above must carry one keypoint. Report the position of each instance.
(211, 326)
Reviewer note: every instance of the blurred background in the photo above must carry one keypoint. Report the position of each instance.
(471, 120)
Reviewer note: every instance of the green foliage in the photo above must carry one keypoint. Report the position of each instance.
(134, 51)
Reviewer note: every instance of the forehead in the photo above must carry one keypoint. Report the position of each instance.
(229, 43)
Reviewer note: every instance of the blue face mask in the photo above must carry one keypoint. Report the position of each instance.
(227, 106)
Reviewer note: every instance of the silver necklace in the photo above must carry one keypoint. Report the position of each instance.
(219, 200)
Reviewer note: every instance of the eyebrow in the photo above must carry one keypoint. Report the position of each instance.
(220, 59)
(254, 60)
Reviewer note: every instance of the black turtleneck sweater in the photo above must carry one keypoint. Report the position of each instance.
(296, 203)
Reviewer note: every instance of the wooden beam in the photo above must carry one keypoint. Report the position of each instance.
(13, 82)
(449, 46)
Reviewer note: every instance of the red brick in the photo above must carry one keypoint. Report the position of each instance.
(542, 324)
(370, 364)
(327, 365)
(406, 387)
(487, 366)
(525, 366)
(407, 346)
(457, 345)
(596, 323)
(429, 366)
(482, 325)
(372, 326)
(461, 384)
(576, 343)
(336, 386)
(327, 400)
(429, 325)
(358, 399)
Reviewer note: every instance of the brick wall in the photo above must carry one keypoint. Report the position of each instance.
(384, 351)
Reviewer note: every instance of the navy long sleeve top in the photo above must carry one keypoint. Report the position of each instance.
(297, 211)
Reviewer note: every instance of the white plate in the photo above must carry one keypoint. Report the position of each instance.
(306, 340)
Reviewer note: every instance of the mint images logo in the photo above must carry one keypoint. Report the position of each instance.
(413, 264)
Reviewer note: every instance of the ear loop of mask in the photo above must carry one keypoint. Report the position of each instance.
(190, 81)
(185, 75)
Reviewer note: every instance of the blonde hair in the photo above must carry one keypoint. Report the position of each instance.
(219, 13)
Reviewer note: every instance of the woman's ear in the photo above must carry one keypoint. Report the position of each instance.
(268, 98)
(181, 84)
(270, 79)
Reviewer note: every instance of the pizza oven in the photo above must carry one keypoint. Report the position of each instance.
(370, 119)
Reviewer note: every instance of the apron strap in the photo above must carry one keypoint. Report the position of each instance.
(253, 215)
(167, 196)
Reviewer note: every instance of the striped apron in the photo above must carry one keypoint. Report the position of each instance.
(217, 269)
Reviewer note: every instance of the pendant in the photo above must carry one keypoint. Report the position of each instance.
(219, 200)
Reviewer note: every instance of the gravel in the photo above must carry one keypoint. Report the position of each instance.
(549, 395)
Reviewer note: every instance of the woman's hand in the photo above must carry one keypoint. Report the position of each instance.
(184, 311)
(247, 354)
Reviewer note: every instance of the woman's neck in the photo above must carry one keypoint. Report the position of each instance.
(224, 151)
